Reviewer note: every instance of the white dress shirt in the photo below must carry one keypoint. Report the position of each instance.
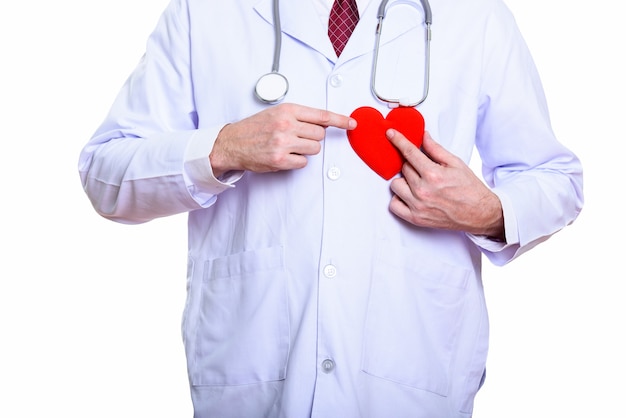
(306, 296)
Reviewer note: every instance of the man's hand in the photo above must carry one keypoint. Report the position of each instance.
(438, 190)
(278, 138)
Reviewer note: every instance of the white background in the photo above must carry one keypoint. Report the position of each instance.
(90, 310)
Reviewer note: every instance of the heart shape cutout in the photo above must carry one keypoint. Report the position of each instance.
(370, 143)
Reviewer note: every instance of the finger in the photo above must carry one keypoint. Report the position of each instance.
(294, 161)
(400, 188)
(398, 207)
(312, 131)
(409, 151)
(306, 146)
(411, 175)
(325, 118)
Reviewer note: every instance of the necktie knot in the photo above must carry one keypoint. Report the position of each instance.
(344, 16)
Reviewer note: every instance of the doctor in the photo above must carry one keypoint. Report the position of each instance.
(316, 287)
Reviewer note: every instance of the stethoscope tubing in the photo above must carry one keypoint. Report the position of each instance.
(428, 19)
(273, 87)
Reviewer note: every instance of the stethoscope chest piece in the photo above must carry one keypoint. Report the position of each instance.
(271, 87)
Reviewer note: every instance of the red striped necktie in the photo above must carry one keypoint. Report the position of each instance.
(344, 16)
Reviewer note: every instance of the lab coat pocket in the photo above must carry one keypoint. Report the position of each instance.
(413, 318)
(242, 333)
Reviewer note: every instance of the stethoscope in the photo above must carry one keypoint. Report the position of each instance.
(273, 87)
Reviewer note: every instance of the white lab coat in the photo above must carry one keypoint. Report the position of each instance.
(306, 296)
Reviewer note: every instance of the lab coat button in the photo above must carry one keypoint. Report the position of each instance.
(336, 80)
(334, 173)
(328, 366)
(330, 271)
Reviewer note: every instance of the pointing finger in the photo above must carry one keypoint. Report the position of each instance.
(325, 118)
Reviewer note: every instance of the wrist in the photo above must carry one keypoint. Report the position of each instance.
(217, 156)
(494, 226)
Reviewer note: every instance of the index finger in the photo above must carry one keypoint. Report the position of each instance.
(409, 151)
(325, 118)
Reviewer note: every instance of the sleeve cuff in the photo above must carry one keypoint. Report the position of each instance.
(203, 186)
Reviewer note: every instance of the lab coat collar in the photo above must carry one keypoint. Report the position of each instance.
(299, 20)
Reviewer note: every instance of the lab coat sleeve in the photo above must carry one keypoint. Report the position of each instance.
(538, 180)
(148, 159)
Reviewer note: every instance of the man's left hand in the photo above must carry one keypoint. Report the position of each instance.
(438, 190)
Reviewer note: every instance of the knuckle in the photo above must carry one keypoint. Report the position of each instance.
(281, 125)
(325, 116)
(277, 142)
(407, 150)
(318, 133)
(276, 160)
(316, 147)
(284, 107)
(301, 163)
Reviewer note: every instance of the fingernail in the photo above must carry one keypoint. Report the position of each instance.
(390, 133)
(352, 124)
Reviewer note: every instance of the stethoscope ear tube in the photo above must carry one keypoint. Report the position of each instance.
(428, 14)
(404, 102)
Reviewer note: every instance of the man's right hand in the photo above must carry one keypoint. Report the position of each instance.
(278, 138)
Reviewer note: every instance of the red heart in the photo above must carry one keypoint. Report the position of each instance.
(371, 144)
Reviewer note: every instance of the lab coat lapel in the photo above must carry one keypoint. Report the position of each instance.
(364, 35)
(299, 20)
